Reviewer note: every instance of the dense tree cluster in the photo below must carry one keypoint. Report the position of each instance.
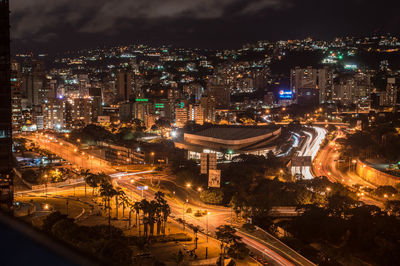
(352, 229)
(154, 212)
(91, 134)
(380, 141)
(107, 244)
(230, 242)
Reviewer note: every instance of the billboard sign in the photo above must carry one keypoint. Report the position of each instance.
(214, 178)
(285, 94)
(208, 161)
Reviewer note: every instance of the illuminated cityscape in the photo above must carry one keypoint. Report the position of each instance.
(191, 144)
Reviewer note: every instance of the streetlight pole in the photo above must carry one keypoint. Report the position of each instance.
(183, 214)
(208, 213)
(45, 185)
(132, 189)
(199, 189)
(82, 159)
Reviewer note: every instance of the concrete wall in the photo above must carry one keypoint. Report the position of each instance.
(374, 176)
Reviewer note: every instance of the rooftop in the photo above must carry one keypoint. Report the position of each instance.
(235, 133)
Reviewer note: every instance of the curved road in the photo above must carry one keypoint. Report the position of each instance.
(326, 165)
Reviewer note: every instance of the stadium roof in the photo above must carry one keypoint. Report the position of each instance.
(235, 133)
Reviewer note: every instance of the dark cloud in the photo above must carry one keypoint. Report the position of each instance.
(96, 16)
(210, 23)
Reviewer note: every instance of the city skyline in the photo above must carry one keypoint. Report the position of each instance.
(214, 132)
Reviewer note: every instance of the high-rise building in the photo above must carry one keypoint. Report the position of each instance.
(181, 116)
(196, 113)
(221, 94)
(125, 112)
(392, 92)
(208, 106)
(375, 100)
(97, 102)
(54, 114)
(34, 82)
(16, 97)
(312, 78)
(141, 109)
(353, 88)
(124, 85)
(6, 179)
(194, 90)
(81, 112)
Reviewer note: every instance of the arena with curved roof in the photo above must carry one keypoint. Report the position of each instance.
(230, 140)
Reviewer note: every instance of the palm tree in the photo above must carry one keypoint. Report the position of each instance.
(85, 173)
(159, 197)
(163, 211)
(153, 209)
(125, 202)
(145, 207)
(137, 208)
(166, 210)
(94, 180)
(119, 193)
(107, 191)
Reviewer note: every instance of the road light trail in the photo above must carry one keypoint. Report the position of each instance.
(326, 165)
(264, 250)
(310, 148)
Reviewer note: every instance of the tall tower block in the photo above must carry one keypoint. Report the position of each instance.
(6, 159)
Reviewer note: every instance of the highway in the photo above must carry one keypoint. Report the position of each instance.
(310, 148)
(71, 153)
(326, 164)
(279, 255)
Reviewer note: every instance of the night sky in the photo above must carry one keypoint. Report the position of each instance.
(58, 25)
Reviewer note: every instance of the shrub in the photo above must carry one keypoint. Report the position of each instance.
(212, 196)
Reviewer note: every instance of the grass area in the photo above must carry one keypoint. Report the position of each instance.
(45, 205)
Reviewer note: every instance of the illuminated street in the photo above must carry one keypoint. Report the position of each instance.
(310, 148)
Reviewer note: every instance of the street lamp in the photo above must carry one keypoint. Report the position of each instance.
(152, 157)
(82, 159)
(46, 176)
(183, 214)
(188, 185)
(208, 214)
